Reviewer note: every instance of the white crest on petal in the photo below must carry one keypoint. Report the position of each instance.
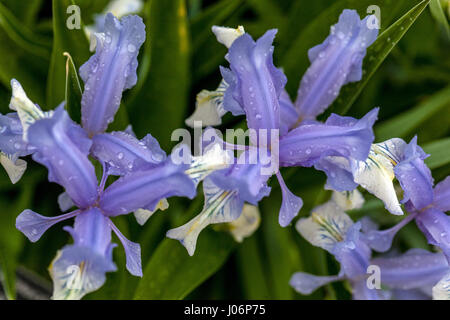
(348, 200)
(441, 291)
(142, 215)
(377, 173)
(226, 36)
(220, 206)
(208, 107)
(327, 225)
(27, 111)
(71, 283)
(246, 224)
(14, 167)
(214, 158)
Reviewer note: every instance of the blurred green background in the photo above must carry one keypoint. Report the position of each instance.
(408, 80)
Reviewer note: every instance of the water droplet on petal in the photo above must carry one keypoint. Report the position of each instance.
(131, 48)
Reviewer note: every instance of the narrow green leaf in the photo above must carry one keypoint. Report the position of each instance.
(74, 42)
(279, 246)
(172, 274)
(376, 54)
(405, 123)
(439, 15)
(159, 101)
(252, 269)
(25, 11)
(439, 153)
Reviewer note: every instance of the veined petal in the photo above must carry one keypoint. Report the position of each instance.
(132, 253)
(377, 172)
(142, 215)
(334, 63)
(77, 271)
(288, 113)
(15, 168)
(246, 224)
(442, 195)
(208, 107)
(348, 200)
(246, 176)
(415, 177)
(27, 111)
(220, 206)
(214, 158)
(441, 291)
(144, 189)
(327, 225)
(360, 291)
(226, 36)
(416, 268)
(123, 153)
(33, 225)
(110, 71)
(308, 143)
(436, 227)
(258, 82)
(290, 205)
(306, 283)
(63, 147)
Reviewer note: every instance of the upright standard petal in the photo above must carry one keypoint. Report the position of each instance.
(435, 225)
(442, 195)
(123, 153)
(415, 177)
(220, 206)
(308, 143)
(258, 82)
(334, 63)
(63, 147)
(144, 189)
(110, 71)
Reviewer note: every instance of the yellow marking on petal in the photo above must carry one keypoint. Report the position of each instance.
(327, 226)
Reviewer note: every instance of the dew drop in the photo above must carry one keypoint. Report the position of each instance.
(120, 155)
(131, 48)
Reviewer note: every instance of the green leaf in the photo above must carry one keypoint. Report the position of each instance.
(406, 122)
(375, 55)
(25, 11)
(252, 269)
(172, 274)
(159, 101)
(64, 40)
(439, 153)
(24, 56)
(439, 15)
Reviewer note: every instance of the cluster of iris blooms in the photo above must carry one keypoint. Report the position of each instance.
(342, 147)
